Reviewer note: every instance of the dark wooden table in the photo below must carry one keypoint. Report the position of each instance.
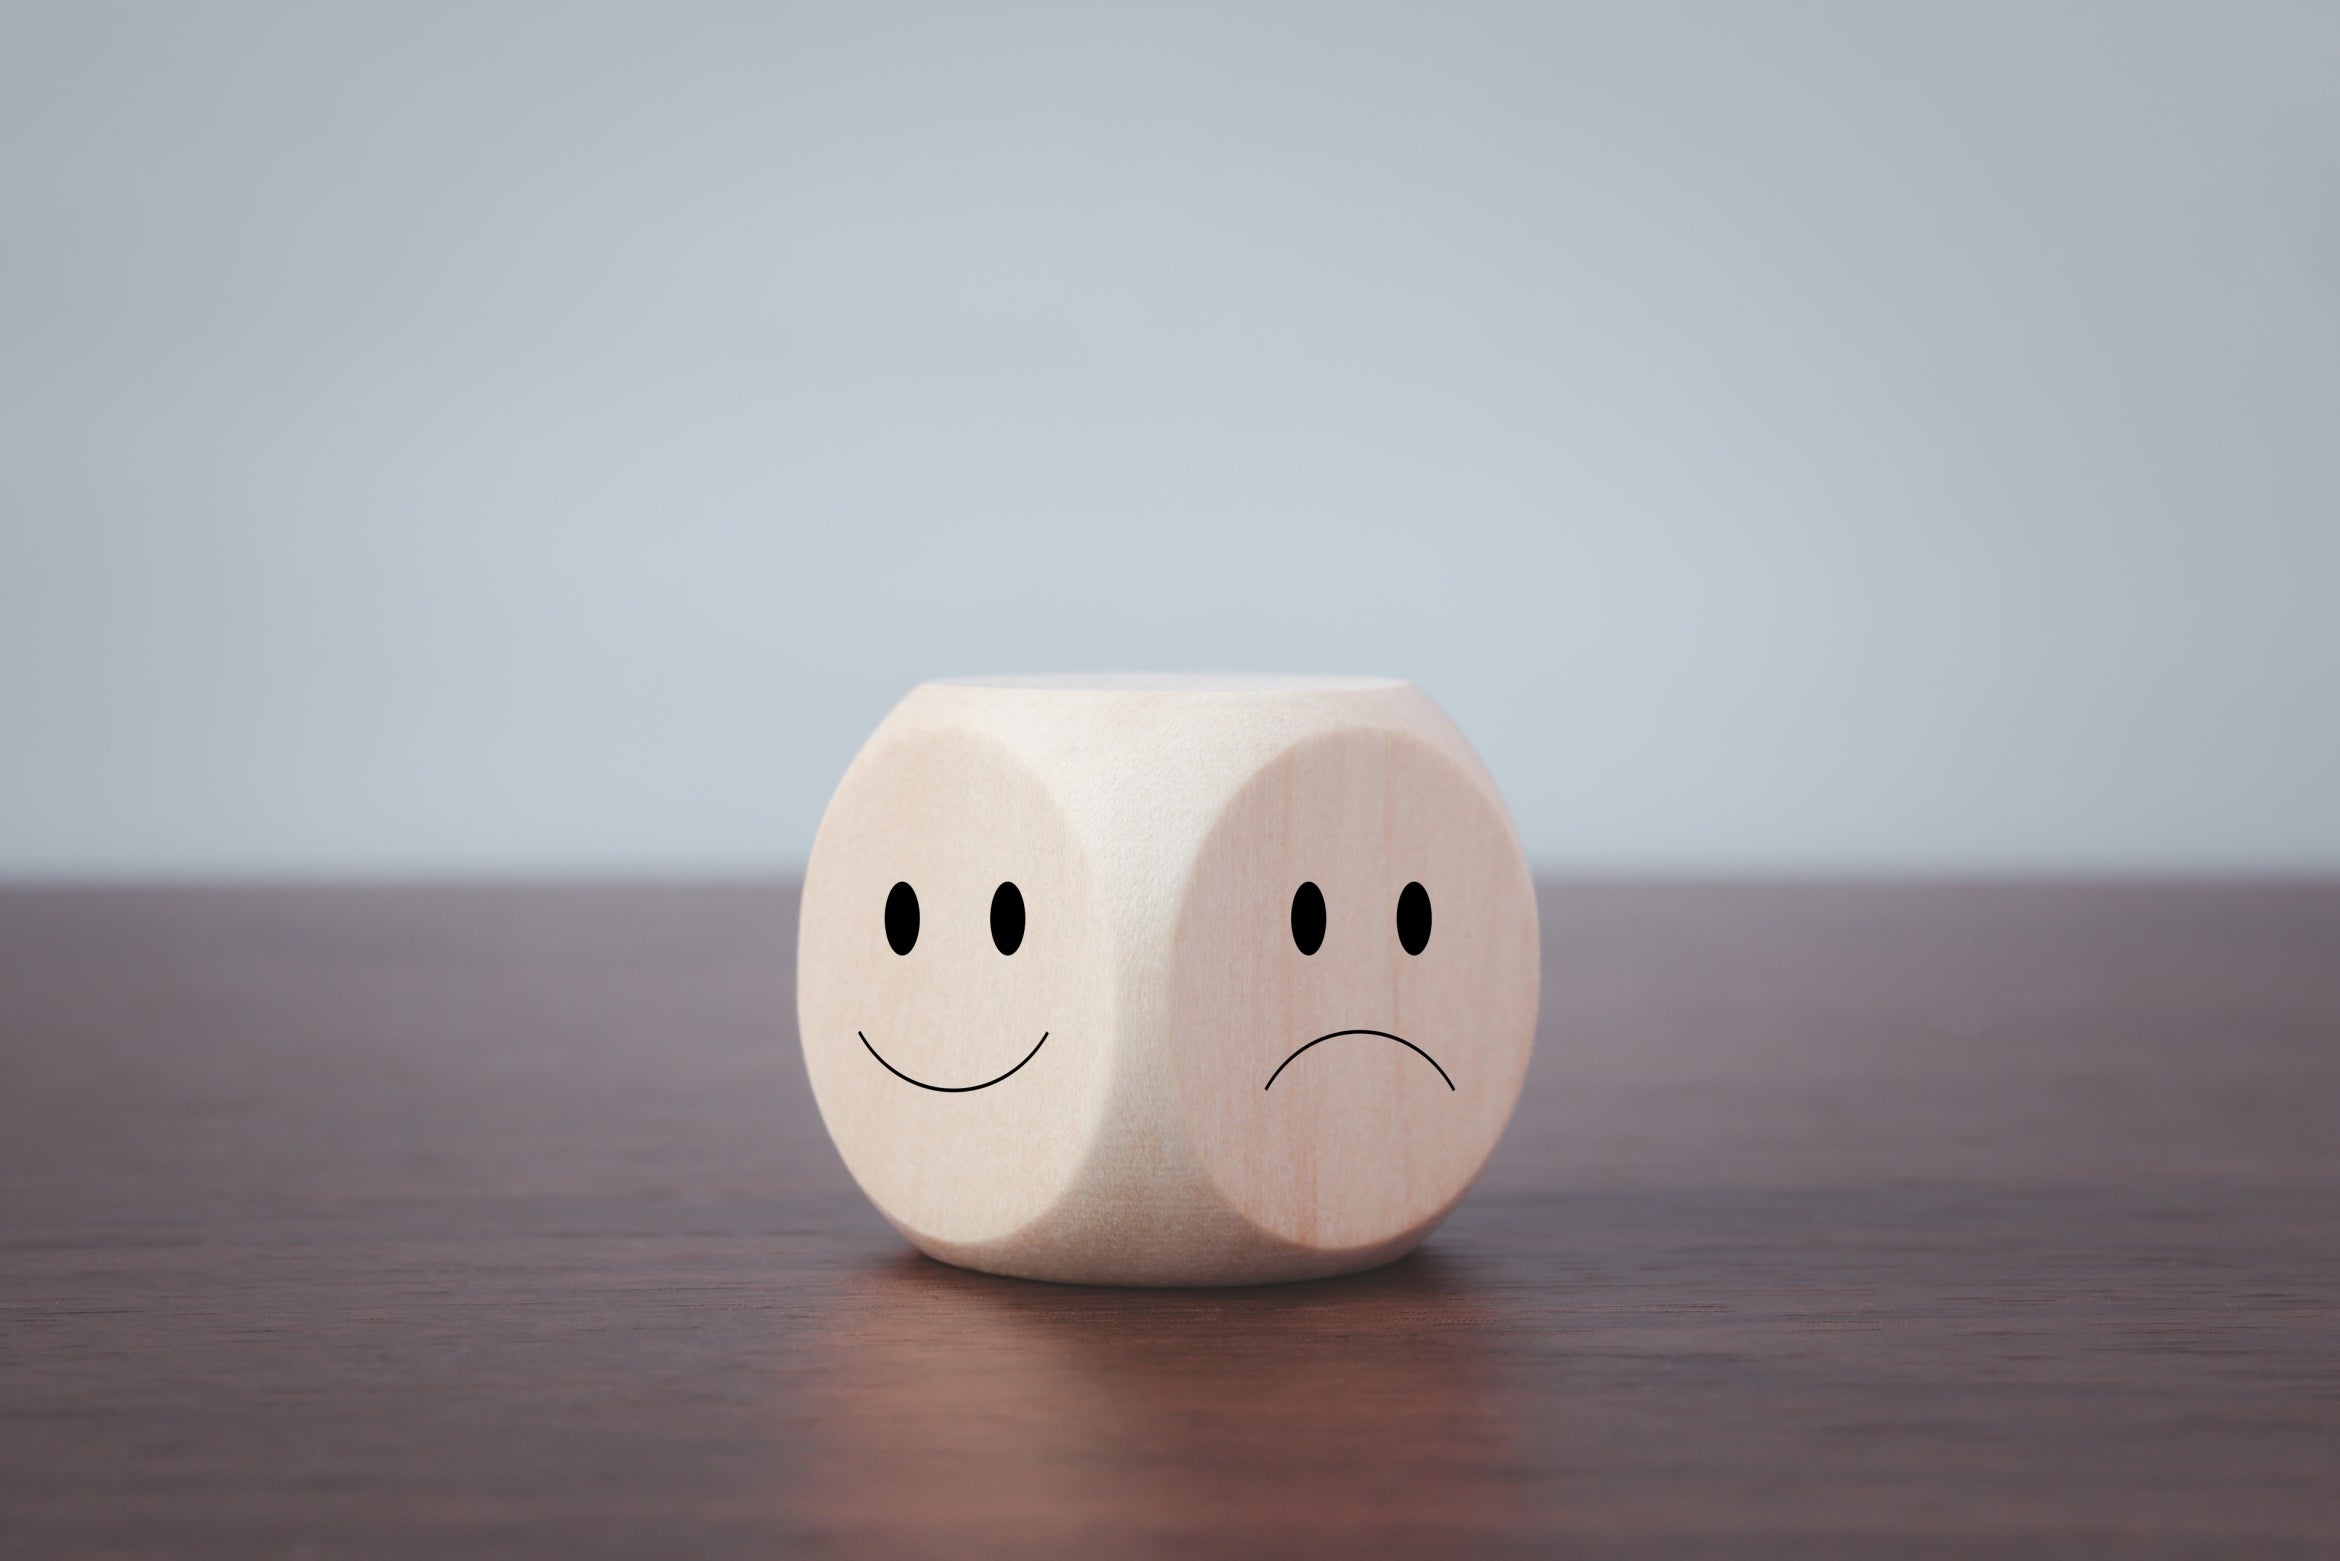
(1921, 1221)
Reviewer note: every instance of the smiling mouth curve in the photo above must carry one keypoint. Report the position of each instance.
(1334, 1036)
(962, 1089)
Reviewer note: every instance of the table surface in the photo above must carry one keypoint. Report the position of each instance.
(1835, 1220)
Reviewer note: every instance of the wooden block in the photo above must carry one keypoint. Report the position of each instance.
(1166, 980)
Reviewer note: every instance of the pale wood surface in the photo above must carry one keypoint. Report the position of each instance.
(1946, 1221)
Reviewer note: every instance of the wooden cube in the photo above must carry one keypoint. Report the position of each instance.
(1163, 980)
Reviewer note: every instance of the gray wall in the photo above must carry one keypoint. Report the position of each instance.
(1865, 437)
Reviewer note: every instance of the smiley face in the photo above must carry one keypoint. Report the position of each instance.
(1355, 988)
(949, 987)
(1007, 935)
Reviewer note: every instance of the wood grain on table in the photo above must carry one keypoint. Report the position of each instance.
(1835, 1220)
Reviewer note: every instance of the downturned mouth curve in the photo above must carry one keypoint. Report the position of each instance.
(960, 1089)
(1336, 1035)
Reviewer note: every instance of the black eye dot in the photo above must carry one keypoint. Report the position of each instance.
(1413, 918)
(902, 918)
(1308, 918)
(1007, 918)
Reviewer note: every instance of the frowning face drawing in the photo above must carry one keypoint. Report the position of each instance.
(1354, 989)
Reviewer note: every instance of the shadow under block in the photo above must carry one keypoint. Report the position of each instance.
(1167, 980)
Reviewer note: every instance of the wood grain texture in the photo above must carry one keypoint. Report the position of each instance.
(1935, 1221)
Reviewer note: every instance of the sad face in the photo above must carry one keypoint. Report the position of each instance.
(1354, 989)
(1413, 925)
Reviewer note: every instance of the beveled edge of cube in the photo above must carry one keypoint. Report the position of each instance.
(1177, 682)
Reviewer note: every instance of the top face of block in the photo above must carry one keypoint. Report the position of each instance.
(1180, 682)
(1277, 928)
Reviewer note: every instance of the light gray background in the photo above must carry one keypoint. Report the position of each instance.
(1821, 438)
